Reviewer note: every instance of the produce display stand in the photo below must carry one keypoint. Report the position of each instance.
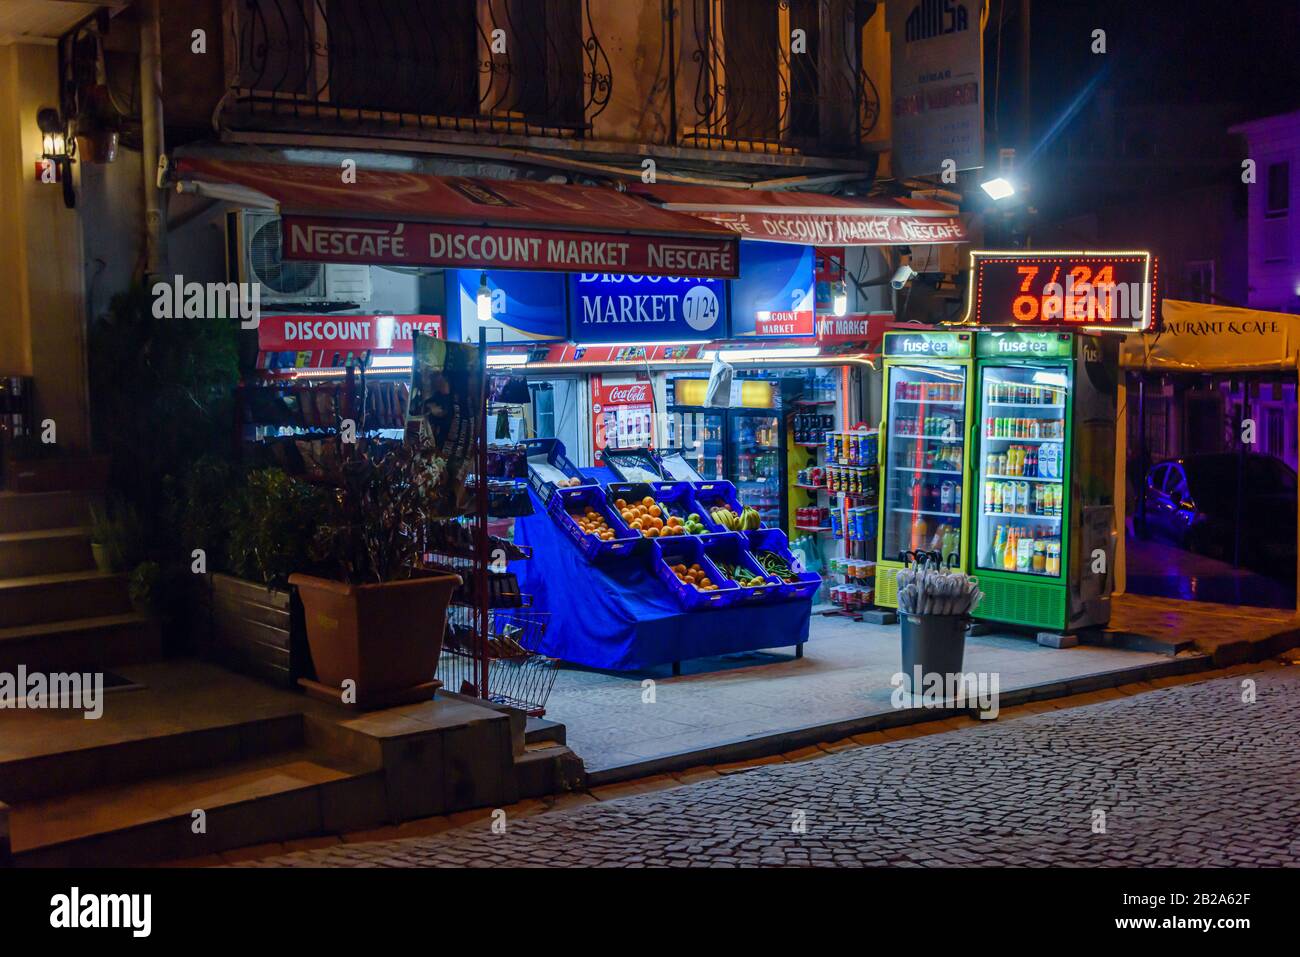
(622, 612)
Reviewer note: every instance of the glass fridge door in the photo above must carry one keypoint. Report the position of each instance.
(1022, 485)
(925, 436)
(756, 463)
(698, 436)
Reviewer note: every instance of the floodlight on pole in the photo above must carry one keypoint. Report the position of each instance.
(998, 188)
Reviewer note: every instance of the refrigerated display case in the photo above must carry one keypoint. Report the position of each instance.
(1023, 468)
(744, 444)
(756, 441)
(923, 446)
(1044, 462)
(699, 437)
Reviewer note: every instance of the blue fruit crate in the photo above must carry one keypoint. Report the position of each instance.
(677, 497)
(774, 540)
(709, 495)
(733, 549)
(565, 501)
(546, 460)
(687, 550)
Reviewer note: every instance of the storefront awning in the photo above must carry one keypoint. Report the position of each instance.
(1198, 337)
(413, 219)
(813, 218)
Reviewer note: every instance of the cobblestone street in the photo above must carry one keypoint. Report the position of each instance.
(1187, 775)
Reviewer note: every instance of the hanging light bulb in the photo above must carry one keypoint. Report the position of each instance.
(839, 297)
(484, 299)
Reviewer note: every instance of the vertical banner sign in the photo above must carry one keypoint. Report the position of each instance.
(605, 307)
(774, 294)
(446, 411)
(937, 69)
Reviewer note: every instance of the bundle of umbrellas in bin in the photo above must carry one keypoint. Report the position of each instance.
(928, 590)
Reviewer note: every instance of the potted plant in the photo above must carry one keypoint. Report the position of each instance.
(97, 126)
(116, 537)
(378, 623)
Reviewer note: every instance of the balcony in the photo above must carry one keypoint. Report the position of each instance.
(781, 76)
(523, 67)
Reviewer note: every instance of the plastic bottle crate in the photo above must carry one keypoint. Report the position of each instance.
(733, 548)
(709, 495)
(689, 550)
(567, 500)
(774, 540)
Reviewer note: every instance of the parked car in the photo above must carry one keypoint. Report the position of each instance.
(1194, 503)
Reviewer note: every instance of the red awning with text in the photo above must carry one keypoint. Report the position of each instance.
(386, 217)
(813, 219)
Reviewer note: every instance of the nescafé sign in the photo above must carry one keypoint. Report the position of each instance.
(1042, 291)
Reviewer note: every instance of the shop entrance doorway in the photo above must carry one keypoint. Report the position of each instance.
(1211, 484)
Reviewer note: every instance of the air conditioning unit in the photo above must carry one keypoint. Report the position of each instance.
(257, 246)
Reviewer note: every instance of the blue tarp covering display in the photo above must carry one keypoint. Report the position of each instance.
(620, 617)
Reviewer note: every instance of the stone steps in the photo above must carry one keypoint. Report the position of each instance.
(39, 599)
(32, 511)
(80, 644)
(45, 551)
(274, 797)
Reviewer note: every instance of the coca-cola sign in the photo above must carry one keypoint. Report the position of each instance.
(637, 393)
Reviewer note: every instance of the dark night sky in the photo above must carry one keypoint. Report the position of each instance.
(1242, 51)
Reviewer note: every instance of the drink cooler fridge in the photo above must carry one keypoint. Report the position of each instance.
(1038, 474)
(745, 446)
(924, 439)
(1072, 492)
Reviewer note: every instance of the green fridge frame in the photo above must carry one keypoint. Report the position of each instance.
(1018, 598)
(1080, 598)
(921, 348)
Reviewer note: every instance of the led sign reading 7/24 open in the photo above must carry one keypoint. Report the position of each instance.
(1062, 290)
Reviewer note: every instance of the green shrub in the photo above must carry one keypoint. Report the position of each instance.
(271, 522)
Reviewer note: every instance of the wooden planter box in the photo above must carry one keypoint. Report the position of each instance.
(257, 631)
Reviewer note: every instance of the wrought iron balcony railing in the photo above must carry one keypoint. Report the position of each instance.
(771, 75)
(530, 67)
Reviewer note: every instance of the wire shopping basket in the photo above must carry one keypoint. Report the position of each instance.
(517, 676)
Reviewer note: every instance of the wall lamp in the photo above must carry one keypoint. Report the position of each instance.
(54, 149)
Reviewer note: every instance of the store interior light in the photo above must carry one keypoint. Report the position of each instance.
(498, 359)
(384, 331)
(634, 345)
(483, 300)
(839, 297)
(758, 355)
(390, 362)
(998, 188)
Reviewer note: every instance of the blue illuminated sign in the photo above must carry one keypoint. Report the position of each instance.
(526, 306)
(774, 294)
(616, 308)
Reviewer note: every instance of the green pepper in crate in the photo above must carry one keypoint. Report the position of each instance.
(774, 564)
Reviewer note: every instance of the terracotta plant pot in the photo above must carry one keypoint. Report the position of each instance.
(97, 146)
(385, 637)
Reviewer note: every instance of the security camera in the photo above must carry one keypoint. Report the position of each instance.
(902, 276)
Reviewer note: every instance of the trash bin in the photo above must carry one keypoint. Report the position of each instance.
(936, 643)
